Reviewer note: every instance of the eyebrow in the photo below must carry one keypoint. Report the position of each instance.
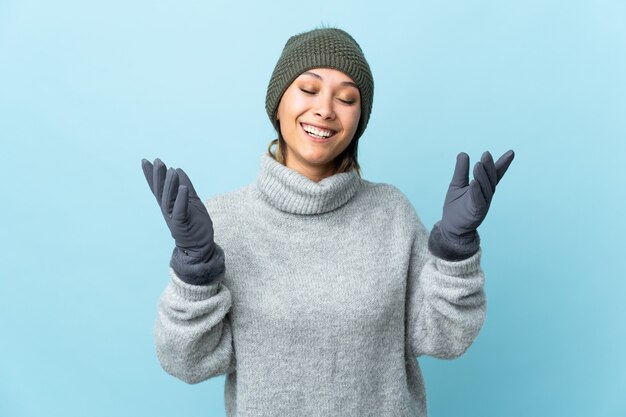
(343, 83)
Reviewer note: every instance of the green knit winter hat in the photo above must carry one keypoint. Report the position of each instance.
(328, 48)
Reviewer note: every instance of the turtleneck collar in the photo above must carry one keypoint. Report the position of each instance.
(290, 191)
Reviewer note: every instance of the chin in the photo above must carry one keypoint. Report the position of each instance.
(318, 159)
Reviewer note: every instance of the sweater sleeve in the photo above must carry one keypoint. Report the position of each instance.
(192, 332)
(445, 301)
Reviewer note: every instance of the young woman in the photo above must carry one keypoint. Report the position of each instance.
(312, 289)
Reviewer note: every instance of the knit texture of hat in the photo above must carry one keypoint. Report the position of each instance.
(321, 48)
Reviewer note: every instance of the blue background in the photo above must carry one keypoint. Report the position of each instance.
(87, 89)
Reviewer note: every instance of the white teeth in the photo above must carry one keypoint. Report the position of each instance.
(322, 133)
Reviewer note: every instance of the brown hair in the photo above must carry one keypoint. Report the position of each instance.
(344, 162)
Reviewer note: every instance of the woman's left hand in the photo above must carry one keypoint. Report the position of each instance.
(467, 203)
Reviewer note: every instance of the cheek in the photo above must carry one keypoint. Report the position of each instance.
(352, 118)
(289, 108)
(281, 112)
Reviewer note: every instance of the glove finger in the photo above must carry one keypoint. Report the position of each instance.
(158, 176)
(170, 190)
(480, 175)
(490, 169)
(460, 178)
(148, 170)
(181, 205)
(502, 164)
(184, 180)
(478, 199)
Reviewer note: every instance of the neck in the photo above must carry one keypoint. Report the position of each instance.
(313, 172)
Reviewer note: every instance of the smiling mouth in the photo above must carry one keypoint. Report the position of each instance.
(317, 133)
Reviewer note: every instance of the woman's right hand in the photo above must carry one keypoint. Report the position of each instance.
(185, 215)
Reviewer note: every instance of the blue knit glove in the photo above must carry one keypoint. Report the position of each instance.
(196, 257)
(466, 206)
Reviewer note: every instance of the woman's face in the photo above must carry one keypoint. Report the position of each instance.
(318, 114)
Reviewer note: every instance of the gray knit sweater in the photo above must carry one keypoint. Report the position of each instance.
(328, 297)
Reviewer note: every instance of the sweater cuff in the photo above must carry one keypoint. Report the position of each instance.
(451, 251)
(198, 272)
(193, 292)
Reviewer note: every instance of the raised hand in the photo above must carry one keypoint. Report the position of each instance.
(467, 203)
(185, 215)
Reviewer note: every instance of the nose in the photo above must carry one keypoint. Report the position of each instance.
(324, 107)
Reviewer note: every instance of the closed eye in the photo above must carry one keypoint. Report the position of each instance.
(347, 102)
